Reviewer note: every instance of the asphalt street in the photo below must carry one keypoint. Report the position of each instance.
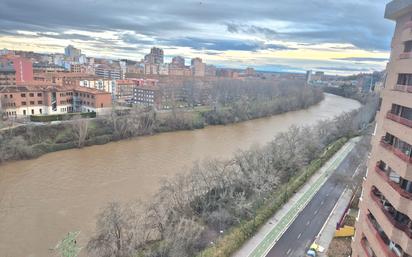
(302, 232)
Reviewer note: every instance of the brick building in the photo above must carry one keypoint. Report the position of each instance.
(46, 99)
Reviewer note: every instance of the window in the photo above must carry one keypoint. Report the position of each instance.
(41, 111)
(40, 102)
(31, 102)
(24, 112)
(408, 46)
(405, 79)
(23, 95)
(39, 95)
(31, 94)
(32, 111)
(23, 103)
(11, 96)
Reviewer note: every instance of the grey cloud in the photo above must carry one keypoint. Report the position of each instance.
(193, 24)
(222, 44)
(73, 36)
(363, 59)
(251, 29)
(342, 68)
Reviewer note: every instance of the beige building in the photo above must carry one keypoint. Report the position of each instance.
(198, 67)
(384, 224)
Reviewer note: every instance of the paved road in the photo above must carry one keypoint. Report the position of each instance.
(301, 233)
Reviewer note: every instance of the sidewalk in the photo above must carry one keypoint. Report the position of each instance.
(270, 233)
(327, 233)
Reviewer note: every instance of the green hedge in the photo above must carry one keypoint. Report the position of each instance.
(58, 117)
(237, 236)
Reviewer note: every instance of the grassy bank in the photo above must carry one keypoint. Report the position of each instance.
(237, 236)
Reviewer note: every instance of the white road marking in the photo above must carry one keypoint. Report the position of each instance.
(288, 252)
(299, 235)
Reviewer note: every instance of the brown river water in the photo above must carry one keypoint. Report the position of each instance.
(43, 199)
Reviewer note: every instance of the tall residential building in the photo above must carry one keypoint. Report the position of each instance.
(156, 56)
(198, 67)
(72, 52)
(384, 224)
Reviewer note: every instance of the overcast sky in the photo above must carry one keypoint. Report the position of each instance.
(338, 36)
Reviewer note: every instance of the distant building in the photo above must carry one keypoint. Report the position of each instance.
(72, 52)
(107, 71)
(7, 73)
(106, 85)
(250, 72)
(77, 68)
(318, 76)
(198, 67)
(47, 68)
(146, 93)
(178, 62)
(308, 76)
(210, 71)
(156, 56)
(164, 69)
(23, 67)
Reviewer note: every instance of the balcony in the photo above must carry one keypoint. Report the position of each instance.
(384, 246)
(365, 245)
(406, 55)
(395, 151)
(393, 184)
(390, 216)
(399, 119)
(403, 88)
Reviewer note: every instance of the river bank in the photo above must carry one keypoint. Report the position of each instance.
(31, 141)
(44, 198)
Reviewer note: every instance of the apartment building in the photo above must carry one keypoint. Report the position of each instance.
(25, 100)
(146, 93)
(384, 224)
(7, 74)
(198, 67)
(109, 71)
(46, 99)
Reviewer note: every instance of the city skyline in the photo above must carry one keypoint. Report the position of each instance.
(339, 38)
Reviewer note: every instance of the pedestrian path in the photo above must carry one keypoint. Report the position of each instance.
(327, 233)
(271, 232)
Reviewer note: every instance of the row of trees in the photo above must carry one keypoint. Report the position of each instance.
(194, 208)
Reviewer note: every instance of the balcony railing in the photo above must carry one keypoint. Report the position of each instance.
(395, 151)
(399, 119)
(393, 184)
(403, 88)
(384, 246)
(406, 55)
(389, 216)
(365, 248)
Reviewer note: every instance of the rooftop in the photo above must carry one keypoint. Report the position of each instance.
(397, 8)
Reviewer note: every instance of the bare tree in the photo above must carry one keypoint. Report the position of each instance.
(80, 129)
(112, 238)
